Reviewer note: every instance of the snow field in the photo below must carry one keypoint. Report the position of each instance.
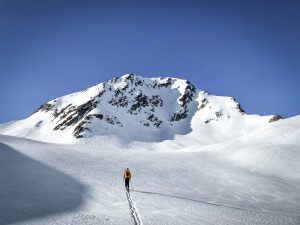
(190, 186)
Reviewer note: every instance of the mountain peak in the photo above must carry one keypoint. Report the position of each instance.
(129, 108)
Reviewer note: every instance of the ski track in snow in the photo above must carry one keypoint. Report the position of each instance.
(134, 211)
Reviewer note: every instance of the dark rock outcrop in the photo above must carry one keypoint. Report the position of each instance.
(45, 107)
(275, 118)
(76, 114)
(239, 108)
(184, 100)
(154, 120)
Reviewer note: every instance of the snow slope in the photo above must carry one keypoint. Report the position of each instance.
(253, 179)
(196, 158)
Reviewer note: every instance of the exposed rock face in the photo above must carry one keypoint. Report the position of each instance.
(45, 107)
(76, 114)
(203, 103)
(275, 118)
(83, 125)
(140, 101)
(184, 100)
(156, 101)
(240, 108)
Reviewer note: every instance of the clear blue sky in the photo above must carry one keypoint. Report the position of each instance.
(246, 49)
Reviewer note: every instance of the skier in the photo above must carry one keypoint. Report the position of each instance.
(127, 178)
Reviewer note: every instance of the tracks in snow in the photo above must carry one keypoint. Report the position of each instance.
(134, 211)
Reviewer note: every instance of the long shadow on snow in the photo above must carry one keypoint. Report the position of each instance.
(212, 203)
(30, 189)
(189, 199)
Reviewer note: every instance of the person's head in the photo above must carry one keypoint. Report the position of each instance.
(127, 169)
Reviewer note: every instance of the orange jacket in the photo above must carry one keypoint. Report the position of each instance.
(127, 174)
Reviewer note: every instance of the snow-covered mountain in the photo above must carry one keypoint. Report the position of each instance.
(196, 158)
(133, 108)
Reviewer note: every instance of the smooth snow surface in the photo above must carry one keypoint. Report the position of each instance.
(253, 179)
